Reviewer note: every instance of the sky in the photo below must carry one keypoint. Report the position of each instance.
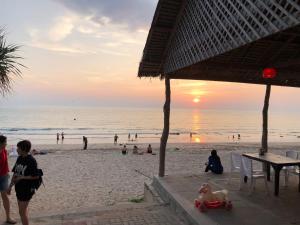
(87, 53)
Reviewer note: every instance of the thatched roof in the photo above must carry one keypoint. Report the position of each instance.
(224, 41)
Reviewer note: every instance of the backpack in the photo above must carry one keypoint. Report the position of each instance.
(37, 183)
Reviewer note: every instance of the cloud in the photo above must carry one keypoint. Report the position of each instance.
(135, 14)
(60, 48)
(62, 28)
(80, 33)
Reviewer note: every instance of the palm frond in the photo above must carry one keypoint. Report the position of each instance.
(9, 65)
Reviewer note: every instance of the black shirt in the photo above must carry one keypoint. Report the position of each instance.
(25, 166)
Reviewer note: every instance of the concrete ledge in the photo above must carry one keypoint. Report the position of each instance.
(179, 205)
(179, 191)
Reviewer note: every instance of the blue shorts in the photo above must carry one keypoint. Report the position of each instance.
(4, 183)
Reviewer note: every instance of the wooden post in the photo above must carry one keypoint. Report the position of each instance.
(165, 133)
(264, 139)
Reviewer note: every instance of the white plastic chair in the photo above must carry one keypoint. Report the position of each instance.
(290, 169)
(253, 175)
(236, 161)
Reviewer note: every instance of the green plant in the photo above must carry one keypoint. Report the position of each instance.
(137, 199)
(8, 63)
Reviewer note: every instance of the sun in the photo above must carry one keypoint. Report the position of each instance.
(196, 100)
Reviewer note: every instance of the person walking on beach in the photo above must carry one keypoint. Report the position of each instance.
(62, 136)
(25, 174)
(57, 137)
(129, 137)
(214, 163)
(116, 139)
(85, 142)
(136, 136)
(4, 176)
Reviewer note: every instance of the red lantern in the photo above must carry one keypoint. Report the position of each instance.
(269, 73)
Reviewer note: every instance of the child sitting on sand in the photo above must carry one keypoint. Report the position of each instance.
(214, 163)
(124, 150)
(149, 149)
(135, 150)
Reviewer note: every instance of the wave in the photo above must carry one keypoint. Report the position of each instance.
(46, 129)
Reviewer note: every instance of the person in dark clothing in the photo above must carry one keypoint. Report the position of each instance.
(85, 142)
(25, 174)
(214, 163)
(116, 139)
(124, 150)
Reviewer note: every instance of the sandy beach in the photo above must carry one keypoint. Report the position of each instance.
(102, 176)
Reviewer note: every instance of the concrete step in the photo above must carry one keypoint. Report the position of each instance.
(141, 213)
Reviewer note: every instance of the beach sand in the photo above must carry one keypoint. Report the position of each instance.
(101, 176)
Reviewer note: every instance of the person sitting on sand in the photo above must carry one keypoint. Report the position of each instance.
(34, 152)
(149, 149)
(214, 163)
(135, 150)
(124, 150)
(37, 152)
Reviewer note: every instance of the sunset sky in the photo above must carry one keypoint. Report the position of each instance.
(87, 52)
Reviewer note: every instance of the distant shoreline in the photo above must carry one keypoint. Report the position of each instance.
(118, 146)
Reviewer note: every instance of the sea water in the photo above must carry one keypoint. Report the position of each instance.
(99, 125)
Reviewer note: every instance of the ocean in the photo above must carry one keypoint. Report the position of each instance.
(41, 124)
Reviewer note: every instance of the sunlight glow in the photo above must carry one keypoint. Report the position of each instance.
(196, 100)
(197, 92)
(197, 140)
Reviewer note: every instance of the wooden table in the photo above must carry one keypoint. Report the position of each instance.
(277, 162)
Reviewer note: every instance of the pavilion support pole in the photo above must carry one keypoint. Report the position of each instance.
(264, 139)
(165, 133)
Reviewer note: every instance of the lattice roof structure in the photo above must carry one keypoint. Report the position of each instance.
(224, 40)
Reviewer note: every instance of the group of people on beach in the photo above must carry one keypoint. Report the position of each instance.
(25, 175)
(62, 136)
(116, 137)
(238, 136)
(136, 151)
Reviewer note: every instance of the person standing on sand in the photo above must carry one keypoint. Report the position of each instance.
(116, 139)
(62, 136)
(85, 142)
(25, 173)
(129, 137)
(136, 136)
(4, 176)
(57, 137)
